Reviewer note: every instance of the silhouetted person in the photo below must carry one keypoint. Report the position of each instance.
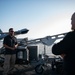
(10, 44)
(66, 48)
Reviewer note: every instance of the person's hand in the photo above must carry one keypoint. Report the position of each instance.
(62, 55)
(13, 48)
(16, 46)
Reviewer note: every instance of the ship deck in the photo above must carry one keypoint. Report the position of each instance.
(29, 70)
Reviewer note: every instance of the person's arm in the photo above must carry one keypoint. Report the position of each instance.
(57, 49)
(62, 47)
(6, 46)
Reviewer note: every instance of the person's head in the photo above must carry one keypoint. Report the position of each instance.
(11, 32)
(73, 21)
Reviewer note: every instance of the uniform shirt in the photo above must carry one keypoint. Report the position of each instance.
(11, 42)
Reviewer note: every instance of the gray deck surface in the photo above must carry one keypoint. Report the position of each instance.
(29, 70)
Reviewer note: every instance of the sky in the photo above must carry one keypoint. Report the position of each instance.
(42, 17)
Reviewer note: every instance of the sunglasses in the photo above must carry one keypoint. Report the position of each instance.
(11, 31)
